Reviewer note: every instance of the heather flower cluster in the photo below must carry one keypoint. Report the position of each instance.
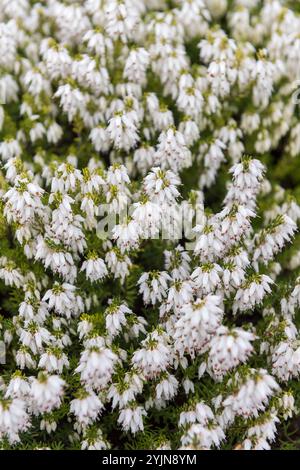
(125, 109)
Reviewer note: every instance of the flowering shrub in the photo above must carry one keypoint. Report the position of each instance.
(149, 257)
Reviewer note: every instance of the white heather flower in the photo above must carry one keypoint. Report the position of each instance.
(252, 292)
(190, 99)
(236, 221)
(33, 309)
(121, 19)
(286, 360)
(149, 218)
(24, 358)
(117, 175)
(233, 277)
(100, 138)
(262, 433)
(291, 209)
(118, 263)
(117, 198)
(131, 418)
(46, 393)
(252, 394)
(272, 238)
(37, 132)
(127, 235)
(53, 360)
(136, 327)
(54, 132)
(160, 186)
(153, 286)
(33, 336)
(209, 241)
(9, 149)
(190, 131)
(216, 7)
(66, 178)
(18, 387)
(13, 419)
(154, 356)
(122, 131)
(172, 151)
(94, 267)
(9, 273)
(228, 348)
(98, 42)
(95, 442)
(86, 407)
(162, 119)
(202, 414)
(48, 425)
(143, 157)
(188, 386)
(85, 325)
(166, 389)
(96, 366)
(63, 300)
(287, 403)
(201, 437)
(180, 293)
(198, 321)
(116, 317)
(206, 278)
(177, 262)
(23, 201)
(247, 174)
(263, 73)
(59, 261)
(125, 391)
(8, 89)
(136, 65)
(72, 100)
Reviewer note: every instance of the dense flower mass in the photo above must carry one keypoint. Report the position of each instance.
(149, 207)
